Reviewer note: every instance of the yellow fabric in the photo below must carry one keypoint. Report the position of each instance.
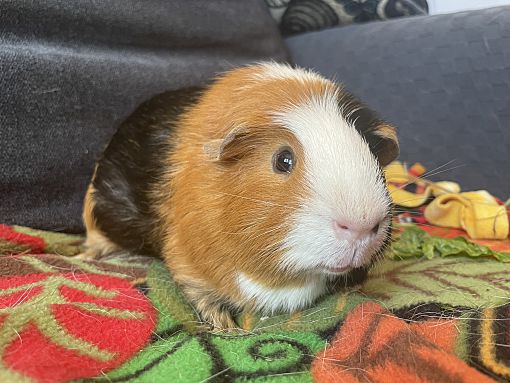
(396, 173)
(404, 198)
(477, 212)
(443, 187)
(446, 210)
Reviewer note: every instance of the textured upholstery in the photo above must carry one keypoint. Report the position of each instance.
(70, 71)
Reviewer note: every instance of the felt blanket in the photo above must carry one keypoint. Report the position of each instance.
(124, 320)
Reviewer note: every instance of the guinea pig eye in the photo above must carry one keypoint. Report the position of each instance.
(283, 160)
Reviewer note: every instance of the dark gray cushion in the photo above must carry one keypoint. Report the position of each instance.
(443, 80)
(71, 71)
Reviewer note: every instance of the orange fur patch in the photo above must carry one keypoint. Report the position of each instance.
(97, 243)
(88, 209)
(387, 131)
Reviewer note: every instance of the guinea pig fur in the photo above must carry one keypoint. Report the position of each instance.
(259, 191)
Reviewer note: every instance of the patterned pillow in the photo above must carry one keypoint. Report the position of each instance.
(297, 16)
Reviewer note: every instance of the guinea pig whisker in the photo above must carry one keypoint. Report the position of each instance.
(382, 140)
(430, 172)
(426, 225)
(265, 233)
(258, 200)
(413, 214)
(249, 234)
(400, 187)
(417, 198)
(405, 211)
(420, 197)
(424, 181)
(271, 247)
(248, 229)
(445, 170)
(433, 171)
(268, 251)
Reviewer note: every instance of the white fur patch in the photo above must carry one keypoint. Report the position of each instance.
(275, 71)
(345, 184)
(287, 299)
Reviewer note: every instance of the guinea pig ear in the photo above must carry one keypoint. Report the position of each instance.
(383, 141)
(380, 136)
(225, 148)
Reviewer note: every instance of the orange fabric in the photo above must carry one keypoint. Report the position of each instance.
(439, 331)
(387, 329)
(391, 372)
(417, 169)
(374, 345)
(353, 344)
(460, 372)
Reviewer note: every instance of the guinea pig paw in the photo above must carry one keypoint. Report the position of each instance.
(221, 321)
(87, 255)
(210, 328)
(202, 327)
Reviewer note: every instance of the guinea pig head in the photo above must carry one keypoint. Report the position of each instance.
(293, 177)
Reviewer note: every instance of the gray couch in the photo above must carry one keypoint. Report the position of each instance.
(66, 85)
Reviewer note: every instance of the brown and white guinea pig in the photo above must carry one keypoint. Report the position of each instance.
(258, 190)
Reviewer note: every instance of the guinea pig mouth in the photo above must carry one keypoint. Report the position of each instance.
(352, 277)
(352, 267)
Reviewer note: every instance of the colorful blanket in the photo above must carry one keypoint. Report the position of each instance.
(443, 319)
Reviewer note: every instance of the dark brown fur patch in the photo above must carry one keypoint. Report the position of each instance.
(380, 136)
(133, 162)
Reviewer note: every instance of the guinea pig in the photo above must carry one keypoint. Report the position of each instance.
(259, 190)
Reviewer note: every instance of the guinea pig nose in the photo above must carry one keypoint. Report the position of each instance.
(346, 231)
(352, 231)
(341, 226)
